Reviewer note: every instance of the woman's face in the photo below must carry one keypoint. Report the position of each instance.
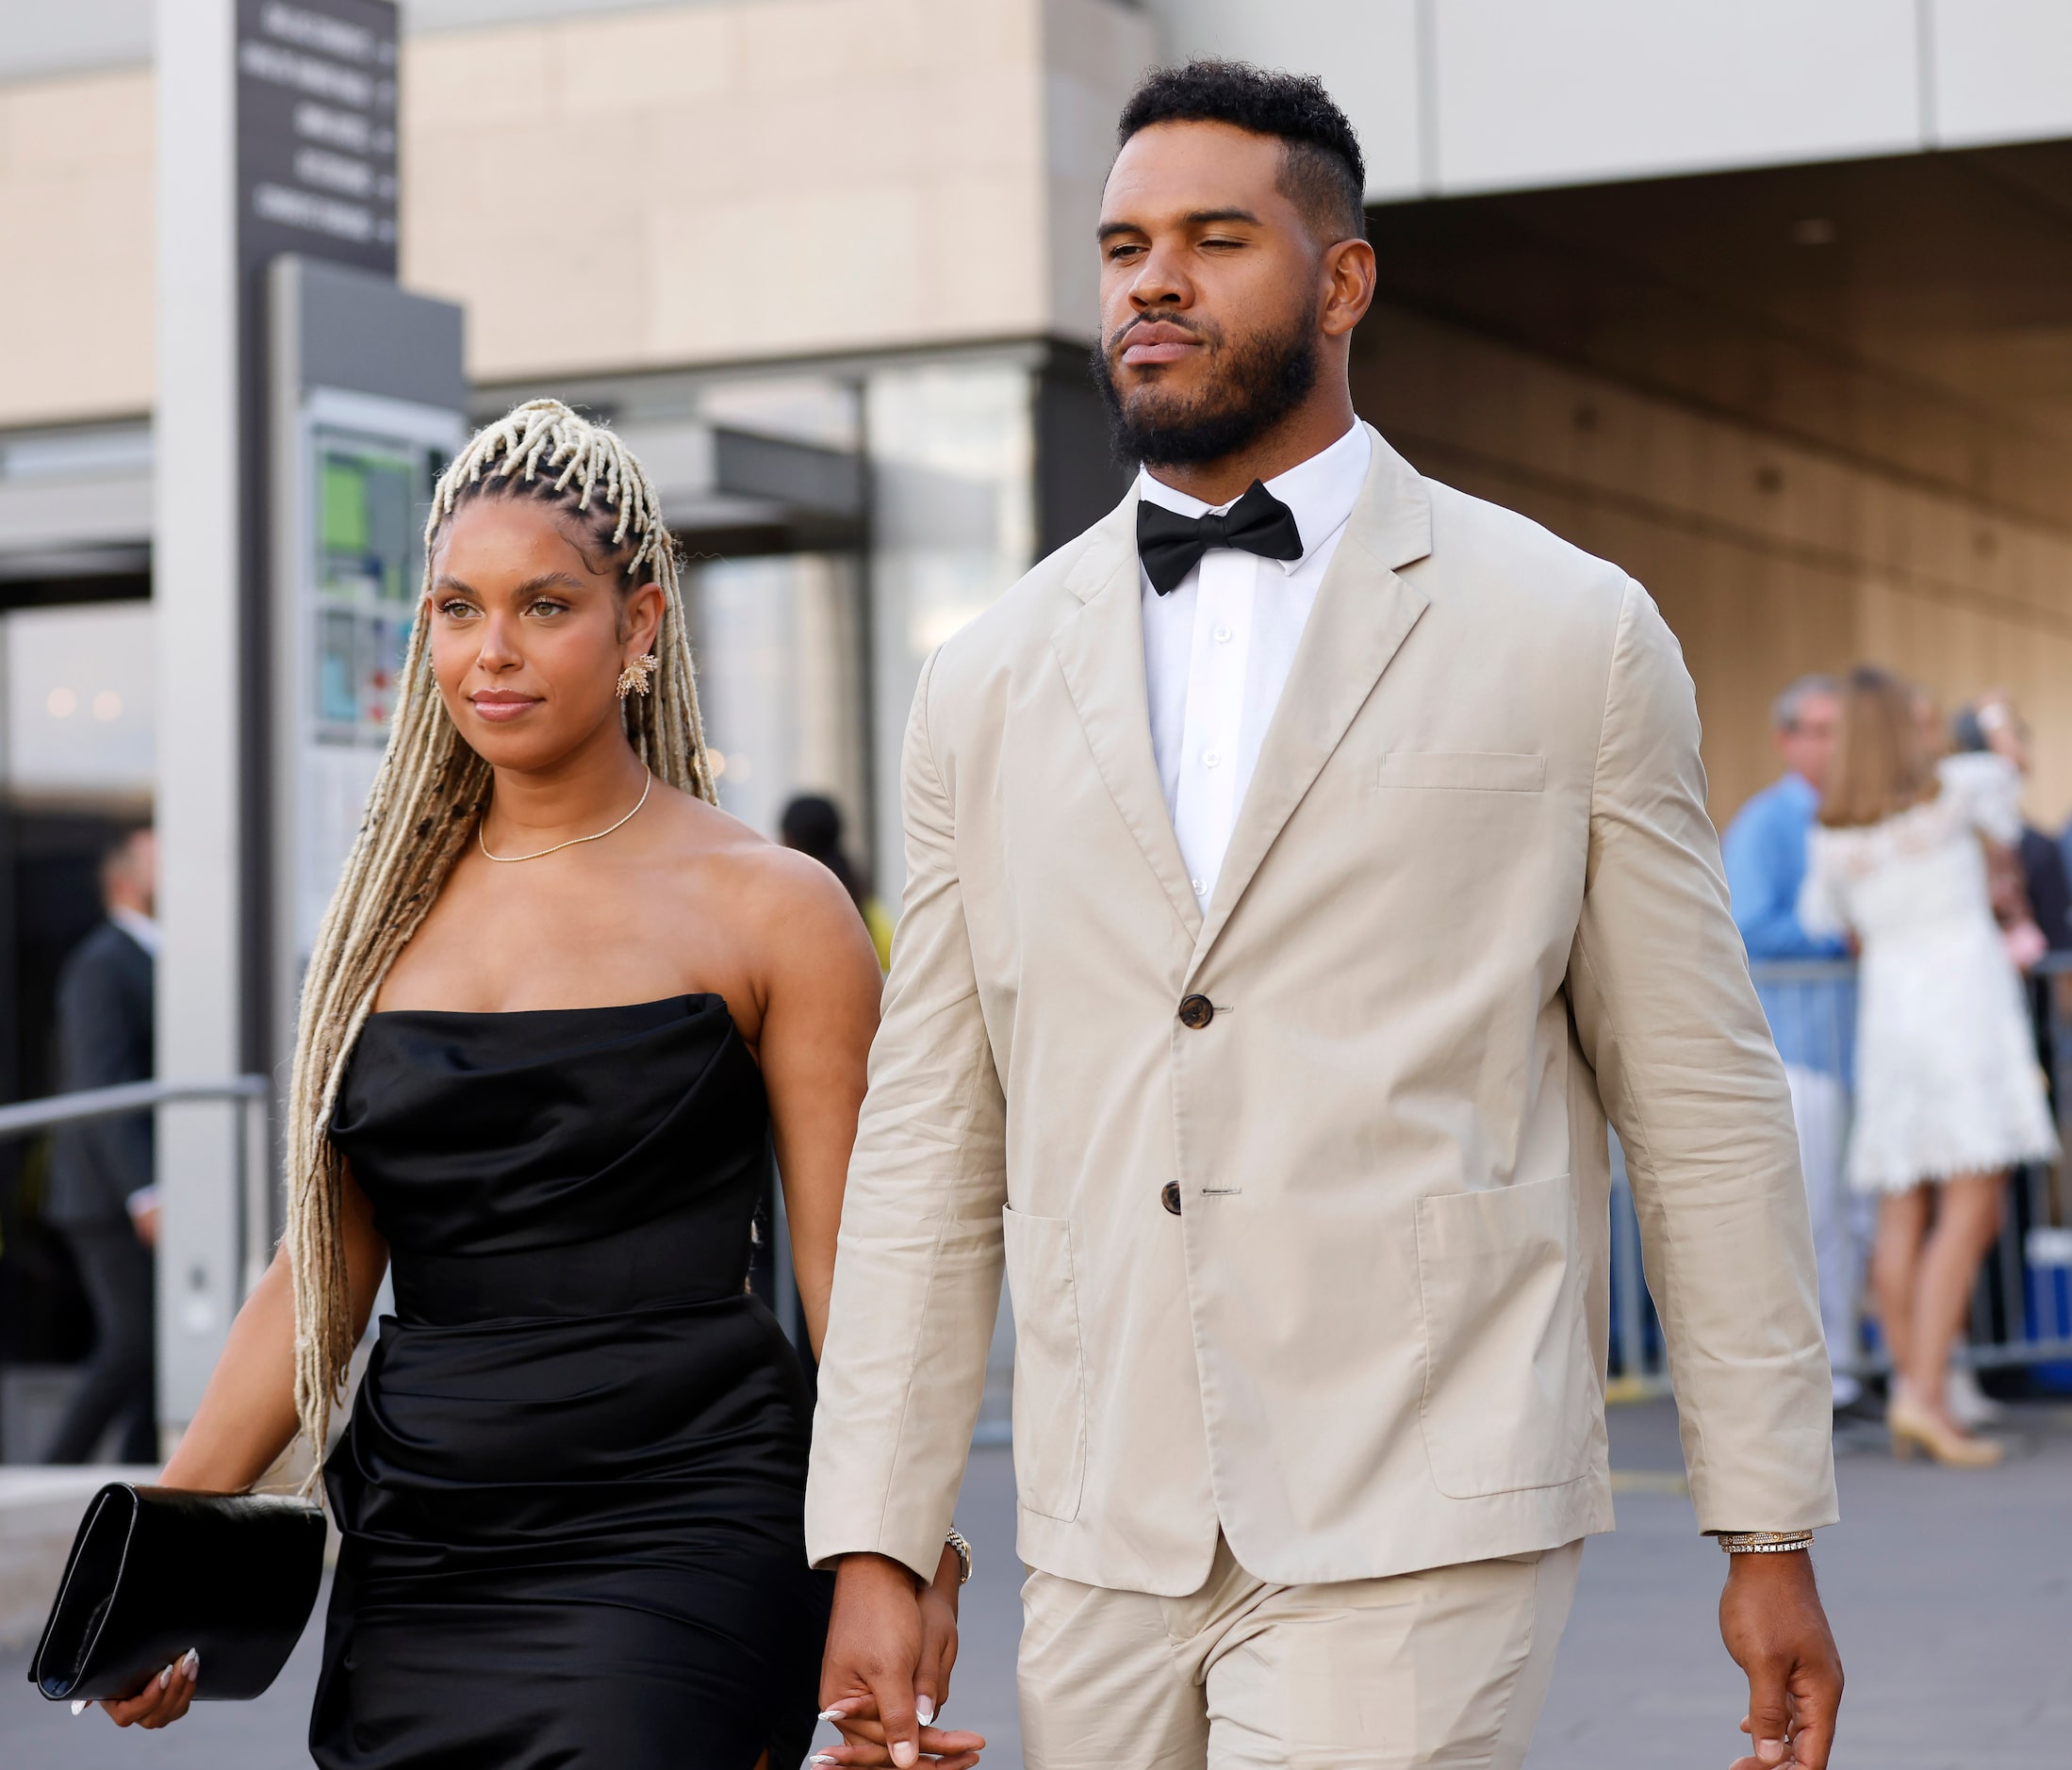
(527, 638)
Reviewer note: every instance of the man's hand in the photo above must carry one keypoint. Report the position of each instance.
(887, 1654)
(1772, 1623)
(939, 1599)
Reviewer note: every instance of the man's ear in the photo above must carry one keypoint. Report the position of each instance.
(1349, 279)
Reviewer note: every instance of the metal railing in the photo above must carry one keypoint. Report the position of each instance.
(2021, 1309)
(251, 1171)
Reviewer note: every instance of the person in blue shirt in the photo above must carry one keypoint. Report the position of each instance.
(1765, 846)
(1812, 1019)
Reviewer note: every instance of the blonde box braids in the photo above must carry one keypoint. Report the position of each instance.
(426, 800)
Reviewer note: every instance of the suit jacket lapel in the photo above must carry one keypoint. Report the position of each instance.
(1101, 652)
(1363, 613)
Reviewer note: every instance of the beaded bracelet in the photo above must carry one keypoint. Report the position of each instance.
(1764, 1542)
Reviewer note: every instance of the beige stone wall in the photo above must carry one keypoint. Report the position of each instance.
(1767, 558)
(709, 182)
(1095, 54)
(653, 188)
(76, 244)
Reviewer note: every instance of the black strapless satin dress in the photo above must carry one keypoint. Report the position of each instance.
(572, 1490)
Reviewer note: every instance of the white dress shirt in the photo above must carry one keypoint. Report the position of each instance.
(1217, 649)
(139, 926)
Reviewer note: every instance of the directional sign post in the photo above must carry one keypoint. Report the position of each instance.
(316, 103)
(317, 131)
(277, 123)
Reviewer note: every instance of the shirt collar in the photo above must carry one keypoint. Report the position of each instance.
(139, 927)
(1319, 491)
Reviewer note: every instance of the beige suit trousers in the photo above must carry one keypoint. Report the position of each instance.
(1443, 1669)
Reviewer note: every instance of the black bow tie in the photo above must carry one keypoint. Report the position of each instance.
(1171, 545)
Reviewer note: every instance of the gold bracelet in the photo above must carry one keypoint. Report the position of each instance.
(1764, 1542)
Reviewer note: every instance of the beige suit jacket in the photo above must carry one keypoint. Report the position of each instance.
(1472, 905)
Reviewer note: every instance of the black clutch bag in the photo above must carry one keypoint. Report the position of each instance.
(155, 1571)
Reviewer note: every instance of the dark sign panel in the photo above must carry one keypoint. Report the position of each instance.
(317, 131)
(316, 178)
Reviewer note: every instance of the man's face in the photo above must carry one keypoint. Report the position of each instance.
(1807, 745)
(144, 857)
(1210, 292)
(130, 878)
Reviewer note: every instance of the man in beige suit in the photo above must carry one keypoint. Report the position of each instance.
(1301, 867)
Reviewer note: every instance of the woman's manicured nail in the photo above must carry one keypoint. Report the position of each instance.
(80, 1707)
(925, 1707)
(165, 1678)
(904, 1753)
(834, 1714)
(190, 1666)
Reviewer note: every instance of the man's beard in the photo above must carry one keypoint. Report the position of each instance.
(1261, 381)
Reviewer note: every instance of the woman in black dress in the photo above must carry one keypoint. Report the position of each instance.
(559, 1015)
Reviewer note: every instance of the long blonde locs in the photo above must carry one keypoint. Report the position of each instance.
(426, 801)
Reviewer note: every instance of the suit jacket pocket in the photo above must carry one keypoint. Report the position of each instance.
(1475, 771)
(1049, 1370)
(1510, 1388)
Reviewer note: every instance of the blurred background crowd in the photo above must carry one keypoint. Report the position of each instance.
(1919, 1076)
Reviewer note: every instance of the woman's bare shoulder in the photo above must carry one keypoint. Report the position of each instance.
(736, 873)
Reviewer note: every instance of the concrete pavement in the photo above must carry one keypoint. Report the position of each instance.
(1951, 1596)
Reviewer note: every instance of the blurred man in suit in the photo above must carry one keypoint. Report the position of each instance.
(100, 1193)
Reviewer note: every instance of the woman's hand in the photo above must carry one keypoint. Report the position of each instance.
(160, 1702)
(247, 1419)
(863, 1744)
(857, 1715)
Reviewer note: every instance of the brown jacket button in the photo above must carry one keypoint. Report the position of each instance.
(1196, 1011)
(1169, 1196)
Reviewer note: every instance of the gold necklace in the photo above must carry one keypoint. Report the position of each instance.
(507, 859)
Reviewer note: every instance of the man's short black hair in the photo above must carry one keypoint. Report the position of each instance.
(1324, 173)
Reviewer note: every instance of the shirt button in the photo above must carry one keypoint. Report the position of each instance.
(1201, 888)
(1211, 759)
(1196, 1011)
(1223, 635)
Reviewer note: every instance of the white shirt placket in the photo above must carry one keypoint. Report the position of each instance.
(1207, 804)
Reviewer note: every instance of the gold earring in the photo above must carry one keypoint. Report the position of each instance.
(633, 680)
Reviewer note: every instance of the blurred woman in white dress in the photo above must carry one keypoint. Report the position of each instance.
(1948, 1096)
